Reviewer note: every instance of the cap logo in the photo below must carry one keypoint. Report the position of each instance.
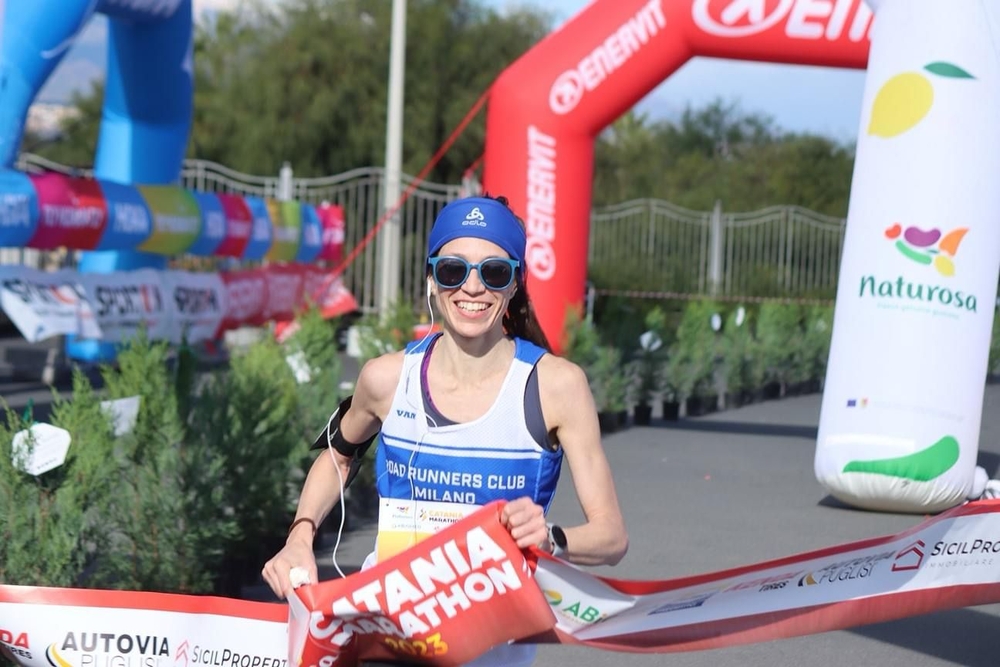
(475, 217)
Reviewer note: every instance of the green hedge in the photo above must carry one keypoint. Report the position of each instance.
(197, 496)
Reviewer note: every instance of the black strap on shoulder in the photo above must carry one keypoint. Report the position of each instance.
(331, 436)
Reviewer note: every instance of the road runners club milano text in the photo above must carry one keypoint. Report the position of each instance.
(461, 480)
(452, 579)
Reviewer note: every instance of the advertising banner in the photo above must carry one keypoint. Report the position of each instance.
(327, 293)
(454, 595)
(902, 403)
(213, 224)
(285, 286)
(169, 304)
(18, 209)
(129, 221)
(72, 212)
(124, 301)
(246, 299)
(42, 305)
(198, 304)
(239, 224)
(312, 233)
(176, 219)
(286, 223)
(331, 216)
(42, 627)
(261, 231)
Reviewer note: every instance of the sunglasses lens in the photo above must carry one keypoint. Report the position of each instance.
(451, 272)
(496, 273)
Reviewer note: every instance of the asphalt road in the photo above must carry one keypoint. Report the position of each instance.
(736, 488)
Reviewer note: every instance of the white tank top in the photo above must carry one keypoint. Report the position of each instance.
(431, 468)
(473, 463)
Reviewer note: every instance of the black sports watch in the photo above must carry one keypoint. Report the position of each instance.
(557, 540)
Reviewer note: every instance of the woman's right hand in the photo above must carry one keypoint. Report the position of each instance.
(297, 552)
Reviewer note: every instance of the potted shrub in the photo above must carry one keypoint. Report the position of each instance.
(780, 334)
(741, 375)
(816, 345)
(692, 358)
(608, 384)
(645, 369)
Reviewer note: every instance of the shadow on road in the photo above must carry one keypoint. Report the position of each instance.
(739, 428)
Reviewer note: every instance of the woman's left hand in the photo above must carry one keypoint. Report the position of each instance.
(526, 522)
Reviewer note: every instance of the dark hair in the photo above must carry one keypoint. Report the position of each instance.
(520, 320)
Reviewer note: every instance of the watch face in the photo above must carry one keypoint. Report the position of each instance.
(559, 537)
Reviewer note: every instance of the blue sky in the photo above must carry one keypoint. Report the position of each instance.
(821, 100)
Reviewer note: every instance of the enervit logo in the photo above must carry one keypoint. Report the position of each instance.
(804, 19)
(608, 56)
(540, 223)
(928, 247)
(910, 557)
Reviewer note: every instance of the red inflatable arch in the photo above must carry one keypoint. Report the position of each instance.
(546, 109)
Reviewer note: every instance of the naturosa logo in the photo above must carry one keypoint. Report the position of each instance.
(906, 98)
(929, 247)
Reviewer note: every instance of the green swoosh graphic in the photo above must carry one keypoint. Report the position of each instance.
(920, 466)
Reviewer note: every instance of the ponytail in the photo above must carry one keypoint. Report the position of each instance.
(520, 320)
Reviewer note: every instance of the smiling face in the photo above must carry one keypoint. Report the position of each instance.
(472, 310)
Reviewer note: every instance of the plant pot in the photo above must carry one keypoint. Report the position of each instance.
(701, 405)
(608, 421)
(642, 414)
(671, 411)
(771, 391)
(623, 418)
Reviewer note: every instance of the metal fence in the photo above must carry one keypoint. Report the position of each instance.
(778, 251)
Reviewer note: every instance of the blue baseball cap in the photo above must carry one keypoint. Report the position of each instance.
(481, 218)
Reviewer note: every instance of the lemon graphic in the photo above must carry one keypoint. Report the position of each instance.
(906, 98)
(901, 103)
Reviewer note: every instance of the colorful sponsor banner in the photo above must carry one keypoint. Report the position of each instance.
(176, 219)
(18, 209)
(198, 301)
(246, 299)
(902, 403)
(286, 223)
(331, 217)
(129, 220)
(327, 292)
(124, 301)
(52, 210)
(312, 233)
(459, 592)
(285, 285)
(239, 225)
(171, 305)
(261, 232)
(42, 627)
(42, 305)
(213, 224)
(71, 212)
